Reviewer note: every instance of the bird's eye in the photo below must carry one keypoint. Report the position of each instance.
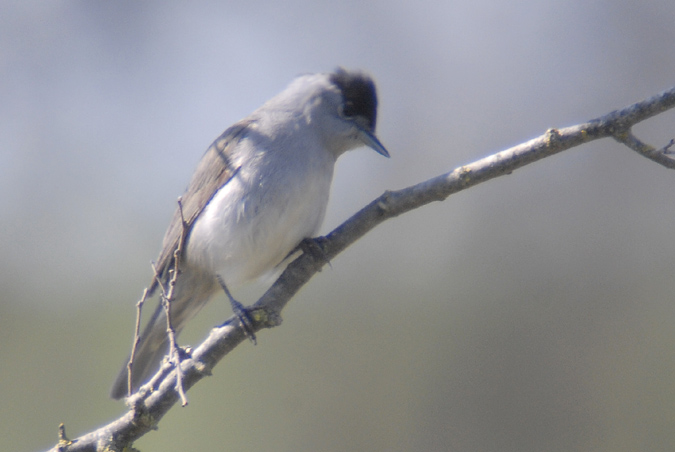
(348, 111)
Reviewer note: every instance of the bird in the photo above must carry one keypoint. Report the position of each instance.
(260, 189)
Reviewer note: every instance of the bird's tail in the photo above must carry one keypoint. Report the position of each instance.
(154, 342)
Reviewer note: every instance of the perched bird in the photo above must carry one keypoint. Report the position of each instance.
(259, 190)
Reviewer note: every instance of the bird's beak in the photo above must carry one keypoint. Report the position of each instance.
(370, 140)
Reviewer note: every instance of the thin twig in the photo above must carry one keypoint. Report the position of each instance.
(137, 340)
(166, 299)
(660, 156)
(666, 148)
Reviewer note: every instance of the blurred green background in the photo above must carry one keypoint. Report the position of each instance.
(533, 312)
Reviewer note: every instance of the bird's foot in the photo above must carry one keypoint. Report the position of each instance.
(314, 247)
(240, 311)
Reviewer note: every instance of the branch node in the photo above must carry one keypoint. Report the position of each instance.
(64, 442)
(267, 318)
(314, 247)
(552, 138)
(141, 415)
(136, 403)
(666, 149)
(660, 156)
(383, 201)
(464, 174)
(200, 367)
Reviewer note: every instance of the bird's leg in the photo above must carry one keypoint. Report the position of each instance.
(240, 311)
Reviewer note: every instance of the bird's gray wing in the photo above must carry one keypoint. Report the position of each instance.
(213, 172)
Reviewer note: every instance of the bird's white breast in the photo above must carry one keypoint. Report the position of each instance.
(255, 220)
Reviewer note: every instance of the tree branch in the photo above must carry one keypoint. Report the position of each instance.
(154, 399)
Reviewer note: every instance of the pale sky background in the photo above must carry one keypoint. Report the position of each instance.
(531, 313)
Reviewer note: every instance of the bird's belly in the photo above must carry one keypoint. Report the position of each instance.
(246, 231)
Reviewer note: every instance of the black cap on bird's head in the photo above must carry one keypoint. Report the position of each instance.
(359, 104)
(360, 96)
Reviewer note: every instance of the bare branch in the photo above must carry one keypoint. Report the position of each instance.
(154, 399)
